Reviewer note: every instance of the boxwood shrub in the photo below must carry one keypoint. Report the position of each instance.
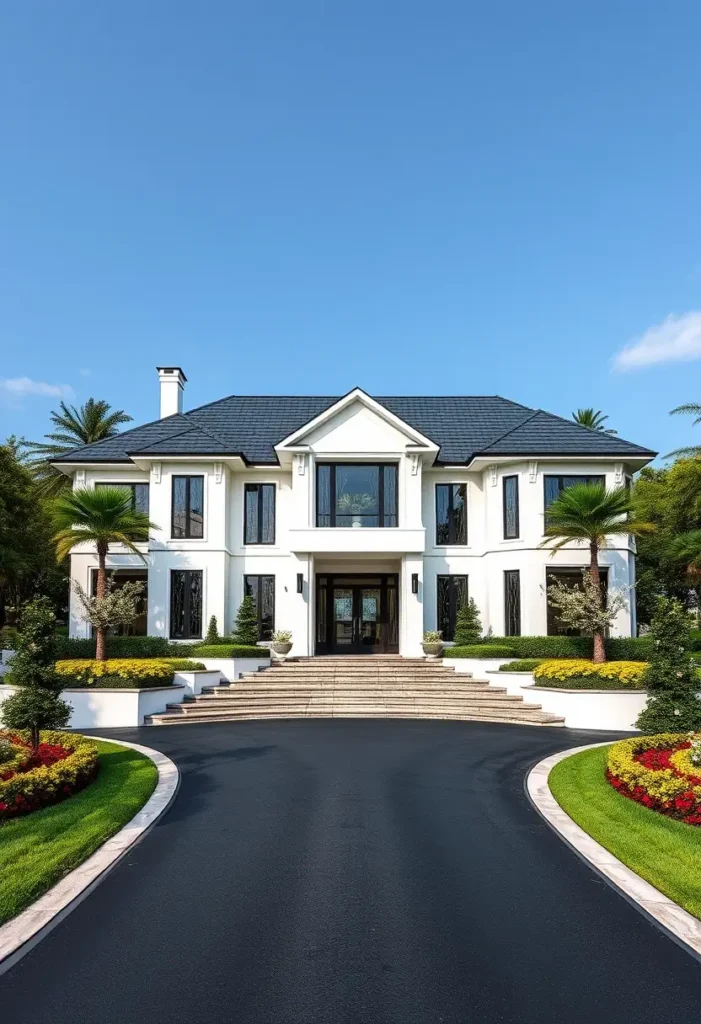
(229, 651)
(489, 650)
(618, 648)
(124, 647)
(522, 665)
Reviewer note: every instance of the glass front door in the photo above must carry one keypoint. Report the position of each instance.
(357, 616)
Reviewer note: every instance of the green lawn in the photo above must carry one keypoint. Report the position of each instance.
(665, 852)
(38, 850)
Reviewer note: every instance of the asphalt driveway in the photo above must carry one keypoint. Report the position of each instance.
(353, 871)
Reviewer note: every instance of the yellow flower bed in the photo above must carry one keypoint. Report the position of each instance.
(43, 785)
(137, 670)
(625, 673)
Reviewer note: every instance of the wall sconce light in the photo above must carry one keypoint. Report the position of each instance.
(414, 582)
(300, 583)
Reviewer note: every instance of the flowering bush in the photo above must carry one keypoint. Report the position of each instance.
(582, 674)
(121, 672)
(61, 765)
(658, 772)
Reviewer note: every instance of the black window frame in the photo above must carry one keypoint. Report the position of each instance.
(130, 485)
(188, 535)
(452, 601)
(382, 513)
(188, 634)
(580, 478)
(512, 616)
(451, 542)
(259, 600)
(511, 478)
(574, 572)
(258, 488)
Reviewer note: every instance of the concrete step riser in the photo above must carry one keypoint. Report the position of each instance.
(194, 708)
(416, 715)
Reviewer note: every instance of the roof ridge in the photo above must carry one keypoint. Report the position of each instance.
(119, 434)
(521, 423)
(591, 430)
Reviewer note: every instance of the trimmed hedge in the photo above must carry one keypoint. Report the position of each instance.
(230, 651)
(479, 651)
(618, 648)
(522, 665)
(48, 783)
(123, 647)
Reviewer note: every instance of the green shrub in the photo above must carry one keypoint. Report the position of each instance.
(185, 665)
(125, 647)
(584, 683)
(618, 648)
(468, 625)
(522, 665)
(246, 632)
(212, 631)
(230, 651)
(34, 708)
(672, 679)
(489, 650)
(8, 638)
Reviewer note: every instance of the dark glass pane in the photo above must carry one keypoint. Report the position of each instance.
(321, 621)
(512, 602)
(266, 614)
(195, 610)
(444, 606)
(390, 496)
(251, 515)
(392, 616)
(443, 513)
(196, 506)
(511, 525)
(141, 498)
(179, 506)
(552, 489)
(323, 496)
(268, 514)
(177, 604)
(459, 514)
(357, 495)
(570, 578)
(250, 584)
(460, 591)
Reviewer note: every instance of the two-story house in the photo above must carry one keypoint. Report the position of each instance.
(355, 522)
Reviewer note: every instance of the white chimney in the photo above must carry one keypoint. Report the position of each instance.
(173, 382)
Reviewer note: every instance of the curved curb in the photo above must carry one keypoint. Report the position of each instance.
(24, 931)
(677, 923)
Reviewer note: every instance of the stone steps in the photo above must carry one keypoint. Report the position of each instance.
(519, 716)
(349, 700)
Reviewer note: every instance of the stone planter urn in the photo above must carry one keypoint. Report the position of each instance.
(433, 649)
(280, 651)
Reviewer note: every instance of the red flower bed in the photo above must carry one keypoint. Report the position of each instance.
(62, 765)
(645, 770)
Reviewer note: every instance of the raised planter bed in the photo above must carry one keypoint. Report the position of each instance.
(478, 667)
(232, 668)
(113, 709)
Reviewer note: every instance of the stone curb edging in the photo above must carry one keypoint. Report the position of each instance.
(677, 923)
(19, 935)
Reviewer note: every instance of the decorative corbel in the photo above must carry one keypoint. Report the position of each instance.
(493, 474)
(218, 472)
(415, 462)
(156, 472)
(532, 472)
(80, 478)
(301, 460)
(618, 473)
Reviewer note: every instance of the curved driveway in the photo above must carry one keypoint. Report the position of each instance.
(364, 872)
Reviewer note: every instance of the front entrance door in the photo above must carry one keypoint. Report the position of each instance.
(356, 615)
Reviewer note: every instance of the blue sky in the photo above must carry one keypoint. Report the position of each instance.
(297, 197)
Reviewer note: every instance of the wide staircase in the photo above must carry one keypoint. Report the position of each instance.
(360, 687)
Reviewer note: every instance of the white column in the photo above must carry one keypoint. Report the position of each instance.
(411, 618)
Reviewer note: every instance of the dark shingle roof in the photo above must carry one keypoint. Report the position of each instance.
(462, 426)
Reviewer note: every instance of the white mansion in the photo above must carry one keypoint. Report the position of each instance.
(355, 522)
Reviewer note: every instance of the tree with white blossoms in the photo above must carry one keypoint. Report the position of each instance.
(582, 607)
(115, 608)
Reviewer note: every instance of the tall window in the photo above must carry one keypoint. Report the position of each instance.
(262, 590)
(188, 506)
(259, 519)
(555, 485)
(356, 494)
(186, 604)
(511, 510)
(512, 602)
(139, 494)
(452, 595)
(571, 578)
(451, 514)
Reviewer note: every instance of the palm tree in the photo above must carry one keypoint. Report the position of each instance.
(75, 427)
(690, 409)
(102, 516)
(590, 513)
(594, 419)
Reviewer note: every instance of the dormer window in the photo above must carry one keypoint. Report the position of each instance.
(356, 494)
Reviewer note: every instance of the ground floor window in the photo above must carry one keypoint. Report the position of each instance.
(512, 602)
(571, 578)
(452, 595)
(186, 604)
(118, 577)
(262, 590)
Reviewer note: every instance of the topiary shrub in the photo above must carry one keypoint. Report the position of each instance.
(247, 630)
(468, 625)
(33, 708)
(230, 651)
(479, 651)
(672, 680)
(212, 636)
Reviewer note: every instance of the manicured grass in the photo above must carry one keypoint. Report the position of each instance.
(38, 850)
(665, 852)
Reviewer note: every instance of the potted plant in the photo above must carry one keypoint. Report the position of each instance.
(432, 643)
(282, 644)
(355, 505)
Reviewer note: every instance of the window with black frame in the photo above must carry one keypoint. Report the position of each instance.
(186, 604)
(555, 485)
(259, 514)
(139, 494)
(570, 578)
(511, 507)
(356, 494)
(451, 597)
(262, 590)
(512, 602)
(451, 514)
(188, 507)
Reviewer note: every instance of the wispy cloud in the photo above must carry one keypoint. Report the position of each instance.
(16, 388)
(676, 340)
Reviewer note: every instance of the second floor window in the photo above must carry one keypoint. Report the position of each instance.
(139, 494)
(554, 485)
(259, 516)
(188, 507)
(511, 524)
(354, 494)
(451, 514)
